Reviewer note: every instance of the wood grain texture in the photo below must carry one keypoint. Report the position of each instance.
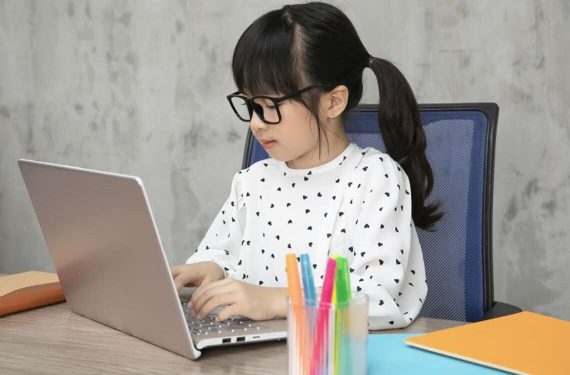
(54, 340)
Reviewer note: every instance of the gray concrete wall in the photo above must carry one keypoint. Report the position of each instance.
(139, 87)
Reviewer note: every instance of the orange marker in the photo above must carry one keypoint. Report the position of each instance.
(295, 295)
(293, 282)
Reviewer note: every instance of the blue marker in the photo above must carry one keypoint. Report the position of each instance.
(310, 296)
(308, 284)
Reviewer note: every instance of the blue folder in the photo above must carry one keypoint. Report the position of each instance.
(389, 354)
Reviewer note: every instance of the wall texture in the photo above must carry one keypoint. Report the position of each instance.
(139, 87)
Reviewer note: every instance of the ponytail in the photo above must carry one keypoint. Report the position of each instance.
(404, 138)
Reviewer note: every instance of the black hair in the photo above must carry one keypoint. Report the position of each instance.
(299, 45)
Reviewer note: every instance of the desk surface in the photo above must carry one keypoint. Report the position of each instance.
(54, 340)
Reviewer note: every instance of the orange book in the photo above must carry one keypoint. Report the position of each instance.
(28, 290)
(525, 342)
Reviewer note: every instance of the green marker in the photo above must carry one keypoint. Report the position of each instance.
(342, 281)
(342, 294)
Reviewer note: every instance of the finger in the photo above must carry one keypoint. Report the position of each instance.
(205, 292)
(188, 277)
(202, 288)
(177, 269)
(229, 311)
(208, 292)
(179, 283)
(215, 302)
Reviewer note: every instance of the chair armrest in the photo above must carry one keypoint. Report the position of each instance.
(501, 309)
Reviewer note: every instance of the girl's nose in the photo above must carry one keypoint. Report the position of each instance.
(255, 123)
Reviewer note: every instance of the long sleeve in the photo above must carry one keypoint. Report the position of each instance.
(222, 242)
(386, 258)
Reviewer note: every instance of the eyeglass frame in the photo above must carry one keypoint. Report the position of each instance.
(250, 103)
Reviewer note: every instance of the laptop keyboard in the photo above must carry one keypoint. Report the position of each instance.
(208, 325)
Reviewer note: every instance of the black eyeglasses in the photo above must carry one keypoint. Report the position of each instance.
(266, 107)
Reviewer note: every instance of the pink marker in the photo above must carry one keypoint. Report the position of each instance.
(328, 283)
(322, 320)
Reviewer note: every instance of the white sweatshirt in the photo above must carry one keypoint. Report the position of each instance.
(357, 205)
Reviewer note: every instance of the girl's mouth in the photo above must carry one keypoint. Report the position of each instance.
(268, 144)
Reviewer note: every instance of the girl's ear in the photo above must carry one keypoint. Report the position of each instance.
(335, 101)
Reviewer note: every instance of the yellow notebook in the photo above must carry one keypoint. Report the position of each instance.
(28, 290)
(525, 342)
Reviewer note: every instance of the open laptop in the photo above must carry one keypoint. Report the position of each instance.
(103, 240)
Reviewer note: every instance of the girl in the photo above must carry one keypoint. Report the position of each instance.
(299, 71)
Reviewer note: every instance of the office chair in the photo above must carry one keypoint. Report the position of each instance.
(458, 254)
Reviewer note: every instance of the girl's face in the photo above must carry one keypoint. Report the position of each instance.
(294, 139)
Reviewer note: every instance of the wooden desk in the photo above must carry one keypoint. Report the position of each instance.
(55, 340)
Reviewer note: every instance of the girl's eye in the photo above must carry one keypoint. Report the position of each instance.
(268, 105)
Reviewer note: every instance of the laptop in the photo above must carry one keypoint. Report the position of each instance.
(102, 237)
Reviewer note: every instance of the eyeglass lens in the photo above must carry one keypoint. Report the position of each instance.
(264, 108)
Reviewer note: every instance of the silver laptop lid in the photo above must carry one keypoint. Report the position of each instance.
(102, 238)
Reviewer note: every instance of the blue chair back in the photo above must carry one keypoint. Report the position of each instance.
(460, 149)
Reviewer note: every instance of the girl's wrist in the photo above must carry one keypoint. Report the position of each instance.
(280, 304)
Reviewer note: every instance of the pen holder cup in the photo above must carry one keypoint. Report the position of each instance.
(328, 339)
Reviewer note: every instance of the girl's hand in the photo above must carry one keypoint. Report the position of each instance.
(196, 274)
(244, 299)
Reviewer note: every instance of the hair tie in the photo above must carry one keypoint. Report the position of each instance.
(370, 59)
